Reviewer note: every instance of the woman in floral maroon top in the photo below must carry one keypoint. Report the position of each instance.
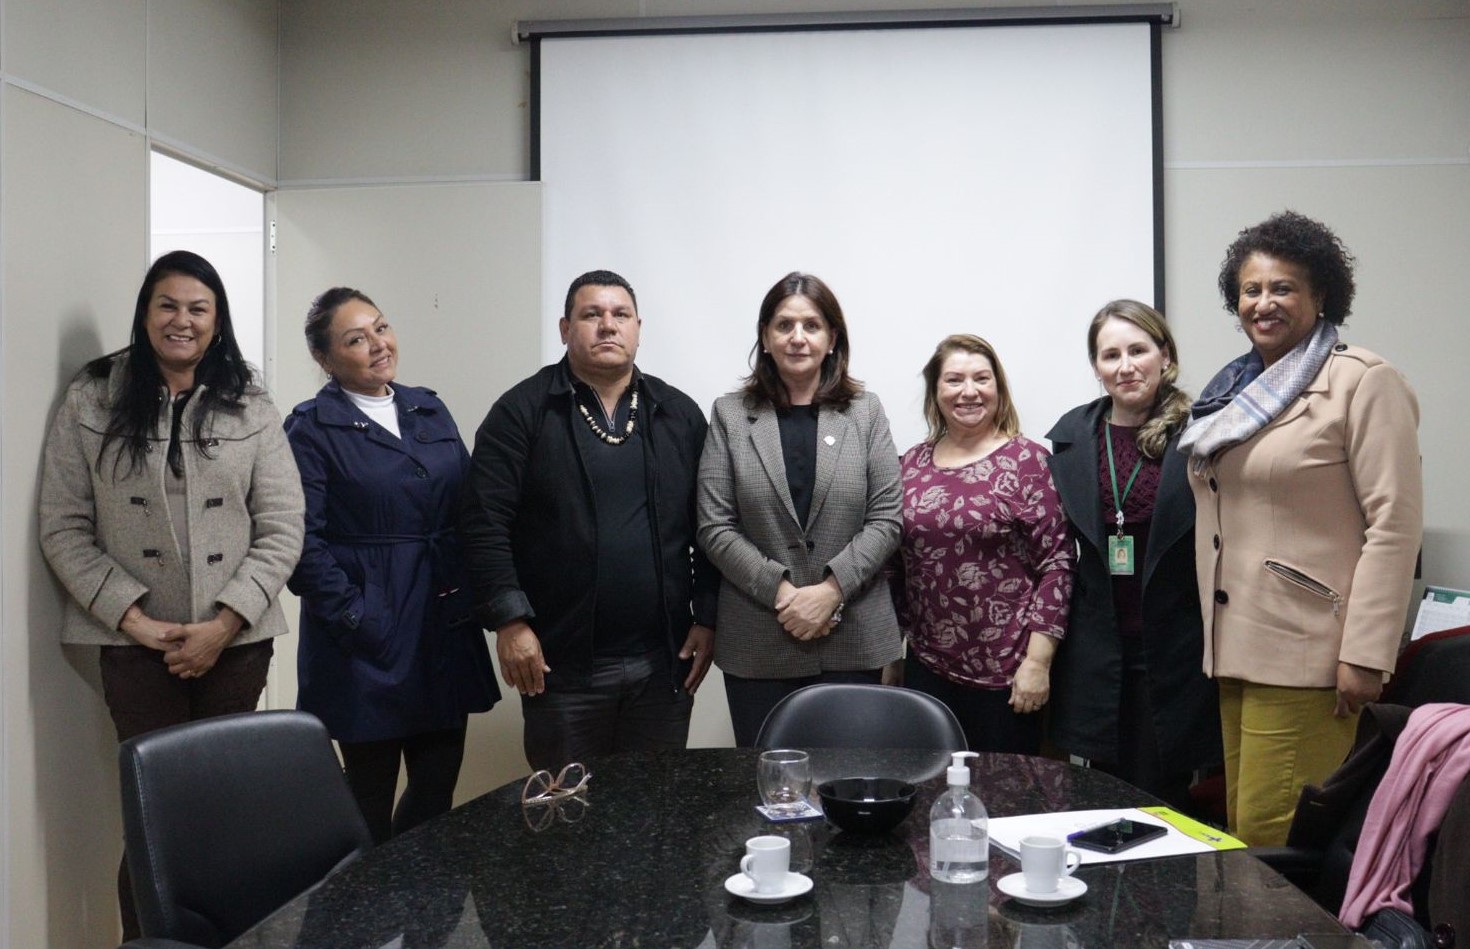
(986, 557)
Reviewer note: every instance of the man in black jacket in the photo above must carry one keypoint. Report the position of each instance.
(578, 535)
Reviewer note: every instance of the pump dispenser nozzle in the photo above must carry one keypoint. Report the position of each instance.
(959, 771)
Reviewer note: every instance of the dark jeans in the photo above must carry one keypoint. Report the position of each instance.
(143, 696)
(629, 704)
(432, 761)
(989, 722)
(751, 700)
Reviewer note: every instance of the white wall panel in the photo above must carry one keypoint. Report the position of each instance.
(75, 246)
(385, 89)
(90, 51)
(213, 81)
(990, 180)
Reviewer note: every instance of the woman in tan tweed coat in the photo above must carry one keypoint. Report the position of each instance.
(171, 511)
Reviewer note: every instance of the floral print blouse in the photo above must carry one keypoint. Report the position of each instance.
(987, 561)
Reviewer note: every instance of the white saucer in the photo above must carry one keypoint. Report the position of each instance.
(1014, 886)
(744, 887)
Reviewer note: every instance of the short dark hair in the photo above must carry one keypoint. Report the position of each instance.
(1300, 240)
(323, 310)
(764, 384)
(597, 278)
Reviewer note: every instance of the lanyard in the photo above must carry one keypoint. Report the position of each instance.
(1113, 473)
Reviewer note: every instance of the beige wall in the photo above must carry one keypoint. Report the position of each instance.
(1355, 111)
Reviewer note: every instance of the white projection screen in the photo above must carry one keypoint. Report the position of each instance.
(997, 180)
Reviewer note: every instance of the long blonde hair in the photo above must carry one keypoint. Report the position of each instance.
(1171, 404)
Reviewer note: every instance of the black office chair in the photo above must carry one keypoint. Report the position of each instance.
(226, 819)
(1435, 668)
(853, 715)
(1328, 825)
(1324, 833)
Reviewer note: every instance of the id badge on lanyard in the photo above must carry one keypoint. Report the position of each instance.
(1120, 546)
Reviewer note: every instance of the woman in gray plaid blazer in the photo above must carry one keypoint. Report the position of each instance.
(799, 508)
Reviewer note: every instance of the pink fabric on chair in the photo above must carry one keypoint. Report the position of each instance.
(1430, 760)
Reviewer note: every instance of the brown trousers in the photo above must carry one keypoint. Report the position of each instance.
(143, 695)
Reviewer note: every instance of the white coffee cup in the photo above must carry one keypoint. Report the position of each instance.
(1045, 860)
(767, 860)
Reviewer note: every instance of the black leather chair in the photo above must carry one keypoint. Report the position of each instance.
(1328, 825)
(1435, 668)
(852, 715)
(228, 818)
(1322, 838)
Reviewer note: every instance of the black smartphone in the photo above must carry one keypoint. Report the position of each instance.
(1116, 836)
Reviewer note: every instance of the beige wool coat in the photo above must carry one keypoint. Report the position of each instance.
(749, 530)
(1307, 533)
(112, 541)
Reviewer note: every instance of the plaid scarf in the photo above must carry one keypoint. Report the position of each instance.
(1247, 394)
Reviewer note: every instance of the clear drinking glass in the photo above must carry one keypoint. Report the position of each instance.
(785, 780)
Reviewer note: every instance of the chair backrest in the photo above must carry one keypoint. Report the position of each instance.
(853, 715)
(1433, 669)
(226, 819)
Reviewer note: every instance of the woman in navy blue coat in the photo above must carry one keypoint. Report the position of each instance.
(390, 657)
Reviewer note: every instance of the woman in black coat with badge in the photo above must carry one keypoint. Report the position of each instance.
(390, 658)
(1128, 690)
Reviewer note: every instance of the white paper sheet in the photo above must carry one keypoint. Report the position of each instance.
(1006, 833)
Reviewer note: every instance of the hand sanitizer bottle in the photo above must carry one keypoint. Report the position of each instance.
(959, 829)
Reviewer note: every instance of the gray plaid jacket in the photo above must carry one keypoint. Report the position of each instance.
(749, 529)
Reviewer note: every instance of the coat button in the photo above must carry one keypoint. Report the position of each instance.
(422, 436)
(811, 545)
(1217, 541)
(1222, 597)
(1214, 485)
(419, 472)
(1340, 347)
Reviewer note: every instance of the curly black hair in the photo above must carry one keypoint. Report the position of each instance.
(1307, 243)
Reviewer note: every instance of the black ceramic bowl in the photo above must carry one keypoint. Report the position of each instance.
(866, 805)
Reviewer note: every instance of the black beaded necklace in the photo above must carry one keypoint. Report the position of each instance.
(598, 429)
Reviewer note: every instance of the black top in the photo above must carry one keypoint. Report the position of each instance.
(626, 617)
(528, 522)
(799, 449)
(1086, 677)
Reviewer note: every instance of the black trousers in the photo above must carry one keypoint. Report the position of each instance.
(1139, 761)
(989, 722)
(432, 760)
(751, 700)
(629, 704)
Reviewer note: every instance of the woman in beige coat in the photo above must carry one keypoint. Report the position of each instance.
(1305, 469)
(171, 511)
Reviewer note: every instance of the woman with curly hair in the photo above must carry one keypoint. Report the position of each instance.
(987, 563)
(1129, 692)
(1304, 460)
